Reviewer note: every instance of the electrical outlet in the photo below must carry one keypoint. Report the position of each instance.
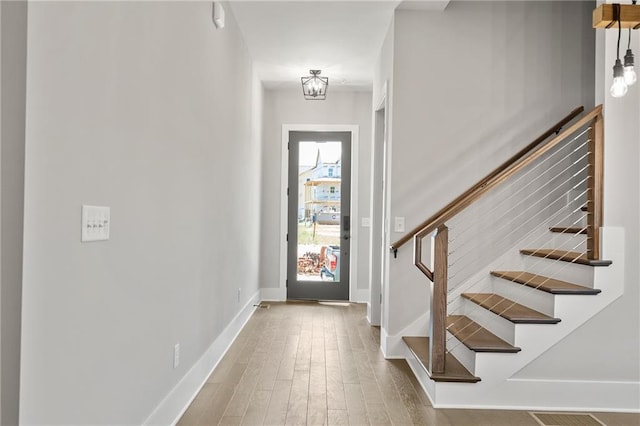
(176, 355)
(366, 222)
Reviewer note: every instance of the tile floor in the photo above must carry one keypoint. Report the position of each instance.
(320, 364)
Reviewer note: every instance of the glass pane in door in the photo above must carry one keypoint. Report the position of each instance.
(318, 218)
(319, 213)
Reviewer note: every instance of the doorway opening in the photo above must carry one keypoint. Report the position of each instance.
(319, 215)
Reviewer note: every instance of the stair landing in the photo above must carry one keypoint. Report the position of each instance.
(455, 371)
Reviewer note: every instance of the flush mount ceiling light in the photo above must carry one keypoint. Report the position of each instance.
(314, 87)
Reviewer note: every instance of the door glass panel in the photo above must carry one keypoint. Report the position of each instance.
(318, 224)
(319, 186)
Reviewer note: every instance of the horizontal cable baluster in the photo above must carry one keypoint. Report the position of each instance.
(531, 182)
(521, 226)
(519, 242)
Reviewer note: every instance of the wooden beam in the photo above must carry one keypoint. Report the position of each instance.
(603, 16)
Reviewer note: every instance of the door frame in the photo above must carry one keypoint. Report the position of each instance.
(378, 212)
(284, 171)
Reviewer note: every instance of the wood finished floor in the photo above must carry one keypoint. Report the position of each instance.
(317, 364)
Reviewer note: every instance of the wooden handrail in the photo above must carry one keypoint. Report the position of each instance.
(521, 159)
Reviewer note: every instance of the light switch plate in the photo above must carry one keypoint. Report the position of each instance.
(398, 224)
(96, 223)
(366, 222)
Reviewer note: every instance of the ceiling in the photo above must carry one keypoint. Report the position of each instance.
(342, 38)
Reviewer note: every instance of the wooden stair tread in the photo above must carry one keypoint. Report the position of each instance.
(509, 309)
(565, 256)
(455, 371)
(550, 285)
(476, 337)
(568, 230)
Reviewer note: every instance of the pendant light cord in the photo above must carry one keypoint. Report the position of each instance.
(616, 16)
(629, 44)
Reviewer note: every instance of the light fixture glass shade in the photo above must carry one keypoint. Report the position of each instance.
(630, 76)
(314, 87)
(619, 87)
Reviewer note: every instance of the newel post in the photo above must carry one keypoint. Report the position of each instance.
(437, 340)
(595, 187)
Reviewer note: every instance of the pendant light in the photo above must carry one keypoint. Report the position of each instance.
(630, 76)
(619, 87)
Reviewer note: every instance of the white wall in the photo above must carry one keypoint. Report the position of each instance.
(13, 49)
(289, 107)
(471, 86)
(146, 108)
(607, 348)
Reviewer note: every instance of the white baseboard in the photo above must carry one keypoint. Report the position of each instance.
(273, 294)
(543, 395)
(392, 345)
(173, 406)
(360, 296)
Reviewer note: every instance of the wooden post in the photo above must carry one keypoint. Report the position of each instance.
(439, 301)
(595, 187)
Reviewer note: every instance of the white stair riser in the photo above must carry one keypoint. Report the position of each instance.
(499, 326)
(565, 271)
(535, 299)
(487, 363)
(567, 241)
(462, 353)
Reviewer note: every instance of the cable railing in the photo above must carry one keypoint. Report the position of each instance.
(546, 183)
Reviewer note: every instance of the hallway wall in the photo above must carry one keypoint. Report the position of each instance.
(147, 108)
(13, 60)
(289, 107)
(619, 344)
(493, 76)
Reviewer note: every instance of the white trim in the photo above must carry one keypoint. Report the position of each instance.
(360, 295)
(427, 385)
(393, 347)
(284, 171)
(579, 396)
(375, 305)
(173, 406)
(273, 294)
(386, 201)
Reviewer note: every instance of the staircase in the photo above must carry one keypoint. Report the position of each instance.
(510, 310)
(476, 335)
